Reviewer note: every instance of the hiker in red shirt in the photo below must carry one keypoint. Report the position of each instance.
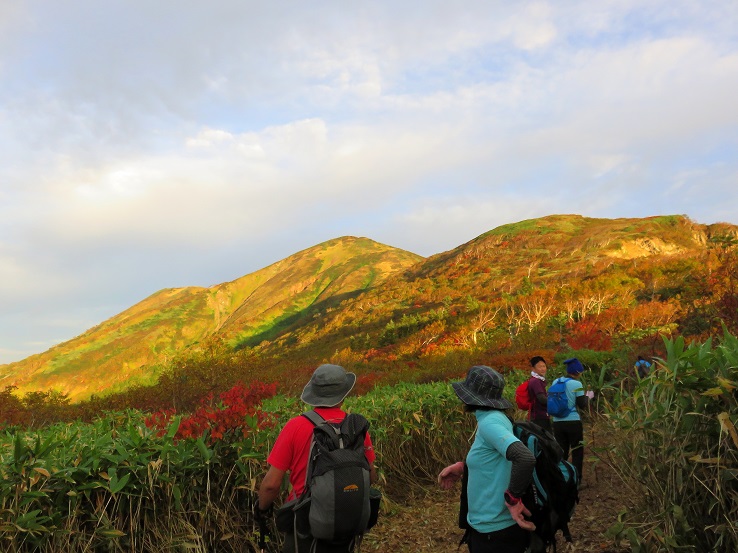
(325, 392)
(537, 393)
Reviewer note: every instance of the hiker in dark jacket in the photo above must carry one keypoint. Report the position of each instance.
(325, 391)
(537, 393)
(500, 468)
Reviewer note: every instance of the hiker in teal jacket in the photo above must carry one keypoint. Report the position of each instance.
(500, 468)
(568, 427)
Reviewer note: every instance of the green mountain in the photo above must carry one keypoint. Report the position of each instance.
(132, 346)
(549, 284)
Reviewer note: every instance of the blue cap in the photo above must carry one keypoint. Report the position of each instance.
(573, 366)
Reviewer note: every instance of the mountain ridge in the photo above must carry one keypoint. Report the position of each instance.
(353, 298)
(517, 261)
(152, 331)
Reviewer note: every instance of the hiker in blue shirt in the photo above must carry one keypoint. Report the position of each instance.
(642, 367)
(499, 469)
(567, 424)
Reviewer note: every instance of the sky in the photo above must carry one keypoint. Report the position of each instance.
(148, 145)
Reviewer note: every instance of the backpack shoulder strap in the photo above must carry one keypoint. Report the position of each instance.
(464, 508)
(316, 420)
(313, 417)
(464, 502)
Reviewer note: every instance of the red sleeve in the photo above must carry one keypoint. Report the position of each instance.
(282, 452)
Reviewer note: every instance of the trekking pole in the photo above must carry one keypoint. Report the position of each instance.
(261, 519)
(262, 534)
(592, 435)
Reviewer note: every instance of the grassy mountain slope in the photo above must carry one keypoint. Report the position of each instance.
(515, 269)
(128, 347)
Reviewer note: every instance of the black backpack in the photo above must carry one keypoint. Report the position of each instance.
(337, 481)
(553, 492)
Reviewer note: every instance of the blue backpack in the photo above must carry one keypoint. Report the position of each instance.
(558, 403)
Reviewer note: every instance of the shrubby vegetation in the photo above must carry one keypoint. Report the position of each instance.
(676, 448)
(165, 480)
(129, 482)
(124, 484)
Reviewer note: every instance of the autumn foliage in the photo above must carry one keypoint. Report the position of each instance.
(236, 411)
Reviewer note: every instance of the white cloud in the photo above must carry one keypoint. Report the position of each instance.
(145, 145)
(209, 137)
(533, 28)
(603, 164)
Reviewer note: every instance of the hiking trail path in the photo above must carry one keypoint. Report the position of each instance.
(427, 522)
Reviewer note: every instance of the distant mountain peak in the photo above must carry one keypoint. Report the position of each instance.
(125, 348)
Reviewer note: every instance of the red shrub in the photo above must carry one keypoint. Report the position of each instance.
(228, 416)
(503, 362)
(586, 334)
(366, 382)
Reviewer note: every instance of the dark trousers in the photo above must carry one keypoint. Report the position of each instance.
(570, 435)
(512, 539)
(304, 546)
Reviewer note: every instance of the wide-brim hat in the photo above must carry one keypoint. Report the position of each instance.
(482, 388)
(328, 386)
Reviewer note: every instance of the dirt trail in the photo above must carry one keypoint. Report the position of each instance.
(428, 523)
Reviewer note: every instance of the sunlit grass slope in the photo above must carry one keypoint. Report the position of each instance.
(131, 346)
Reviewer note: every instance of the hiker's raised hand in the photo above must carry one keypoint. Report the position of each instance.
(518, 513)
(450, 475)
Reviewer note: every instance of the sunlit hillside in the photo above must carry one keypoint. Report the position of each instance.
(563, 282)
(541, 281)
(132, 346)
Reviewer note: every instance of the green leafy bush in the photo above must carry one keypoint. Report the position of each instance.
(117, 485)
(417, 429)
(677, 449)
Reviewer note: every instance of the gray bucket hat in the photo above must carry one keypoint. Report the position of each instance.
(482, 388)
(328, 386)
